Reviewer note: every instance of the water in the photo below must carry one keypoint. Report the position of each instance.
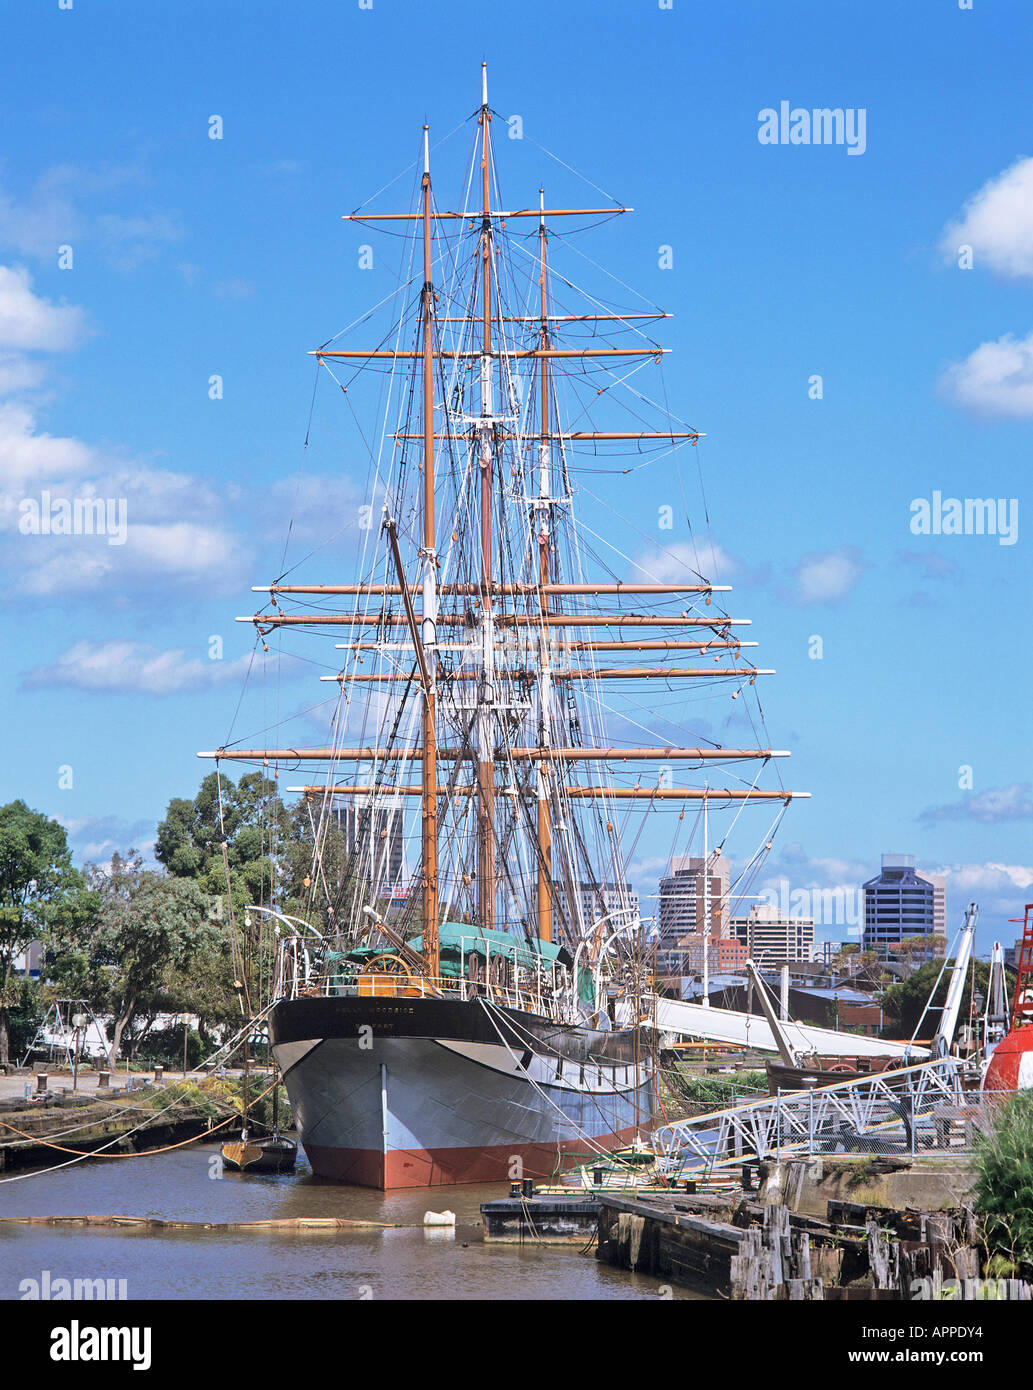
(405, 1262)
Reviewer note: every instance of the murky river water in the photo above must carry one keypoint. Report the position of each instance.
(405, 1262)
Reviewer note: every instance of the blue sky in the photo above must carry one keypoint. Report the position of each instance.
(193, 257)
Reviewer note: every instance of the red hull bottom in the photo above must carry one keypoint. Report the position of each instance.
(440, 1167)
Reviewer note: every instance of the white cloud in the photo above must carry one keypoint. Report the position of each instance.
(97, 838)
(681, 560)
(999, 889)
(19, 373)
(997, 222)
(28, 323)
(61, 209)
(319, 508)
(995, 379)
(133, 667)
(1008, 880)
(29, 456)
(829, 576)
(995, 804)
(173, 528)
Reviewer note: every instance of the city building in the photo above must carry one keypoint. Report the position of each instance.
(28, 962)
(683, 906)
(725, 954)
(377, 839)
(770, 936)
(614, 901)
(901, 903)
(1012, 954)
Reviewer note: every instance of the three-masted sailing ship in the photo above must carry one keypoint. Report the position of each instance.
(491, 1019)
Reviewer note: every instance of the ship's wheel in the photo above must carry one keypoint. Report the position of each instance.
(386, 964)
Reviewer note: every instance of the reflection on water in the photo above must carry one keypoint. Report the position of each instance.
(405, 1262)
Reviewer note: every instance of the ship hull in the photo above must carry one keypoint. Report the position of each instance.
(423, 1093)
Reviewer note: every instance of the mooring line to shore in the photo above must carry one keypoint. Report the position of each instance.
(80, 1156)
(141, 1153)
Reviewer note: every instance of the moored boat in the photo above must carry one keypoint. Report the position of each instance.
(269, 1154)
(492, 1022)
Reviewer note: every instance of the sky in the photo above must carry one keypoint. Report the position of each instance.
(852, 331)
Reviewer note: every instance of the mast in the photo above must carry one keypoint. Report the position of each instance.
(500, 662)
(544, 827)
(485, 729)
(429, 883)
(706, 903)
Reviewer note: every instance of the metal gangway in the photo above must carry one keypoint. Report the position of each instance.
(897, 1111)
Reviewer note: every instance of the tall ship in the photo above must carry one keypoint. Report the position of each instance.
(533, 694)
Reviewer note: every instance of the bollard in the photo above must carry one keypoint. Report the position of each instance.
(103, 1080)
(527, 1187)
(41, 1083)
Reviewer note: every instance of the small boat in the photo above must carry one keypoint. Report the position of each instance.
(271, 1154)
(825, 1071)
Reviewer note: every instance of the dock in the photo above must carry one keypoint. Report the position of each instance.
(756, 1246)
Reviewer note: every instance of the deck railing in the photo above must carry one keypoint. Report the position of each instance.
(302, 971)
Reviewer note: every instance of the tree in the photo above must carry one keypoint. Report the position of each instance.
(247, 816)
(270, 851)
(905, 1000)
(40, 894)
(205, 986)
(147, 929)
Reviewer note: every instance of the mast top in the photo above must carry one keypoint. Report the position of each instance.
(484, 84)
(426, 149)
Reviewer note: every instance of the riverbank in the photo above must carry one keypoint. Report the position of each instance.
(47, 1128)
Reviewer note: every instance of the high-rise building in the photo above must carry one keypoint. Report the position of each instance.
(901, 903)
(616, 902)
(725, 954)
(377, 839)
(685, 904)
(772, 938)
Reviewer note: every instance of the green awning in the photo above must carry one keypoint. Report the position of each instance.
(457, 939)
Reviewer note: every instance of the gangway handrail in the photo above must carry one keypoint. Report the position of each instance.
(758, 1127)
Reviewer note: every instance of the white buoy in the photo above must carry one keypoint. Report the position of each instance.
(439, 1218)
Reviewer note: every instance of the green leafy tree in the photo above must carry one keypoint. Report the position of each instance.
(147, 929)
(905, 1000)
(270, 851)
(248, 817)
(41, 895)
